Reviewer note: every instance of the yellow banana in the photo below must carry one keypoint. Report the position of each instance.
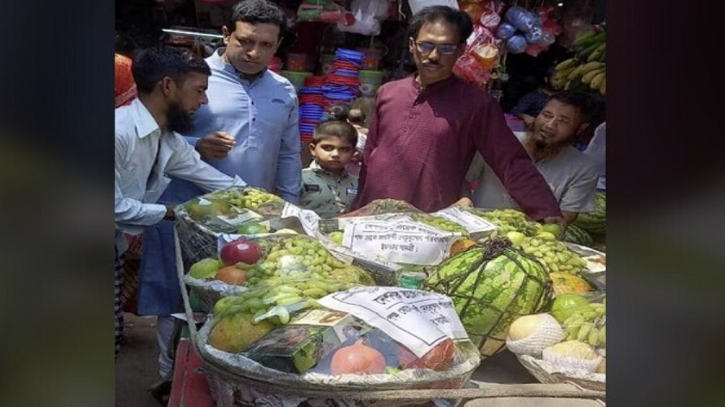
(603, 87)
(590, 66)
(575, 73)
(590, 75)
(565, 64)
(597, 80)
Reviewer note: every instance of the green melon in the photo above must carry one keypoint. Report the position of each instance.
(595, 222)
(491, 286)
(577, 235)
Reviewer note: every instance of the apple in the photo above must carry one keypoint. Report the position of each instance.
(240, 251)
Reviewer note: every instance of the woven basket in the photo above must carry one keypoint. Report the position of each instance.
(590, 382)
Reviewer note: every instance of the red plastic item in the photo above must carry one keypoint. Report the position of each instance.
(189, 387)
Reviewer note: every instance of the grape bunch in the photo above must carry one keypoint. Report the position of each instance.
(588, 324)
(554, 254)
(509, 220)
(294, 269)
(248, 198)
(440, 223)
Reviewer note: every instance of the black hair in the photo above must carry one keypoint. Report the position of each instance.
(585, 102)
(356, 116)
(432, 14)
(153, 64)
(256, 12)
(336, 126)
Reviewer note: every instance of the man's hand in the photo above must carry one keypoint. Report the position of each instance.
(528, 120)
(464, 202)
(170, 215)
(215, 146)
(556, 220)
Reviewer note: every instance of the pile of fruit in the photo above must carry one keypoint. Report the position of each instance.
(278, 271)
(554, 254)
(238, 210)
(572, 335)
(509, 220)
(491, 285)
(587, 70)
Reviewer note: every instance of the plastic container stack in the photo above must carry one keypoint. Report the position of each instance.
(343, 84)
(312, 106)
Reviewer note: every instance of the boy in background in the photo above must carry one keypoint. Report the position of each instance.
(327, 187)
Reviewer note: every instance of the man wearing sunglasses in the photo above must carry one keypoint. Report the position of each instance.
(426, 129)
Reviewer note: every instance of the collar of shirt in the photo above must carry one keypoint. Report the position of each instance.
(218, 62)
(145, 122)
(433, 86)
(316, 168)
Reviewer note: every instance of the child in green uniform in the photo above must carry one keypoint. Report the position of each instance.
(327, 188)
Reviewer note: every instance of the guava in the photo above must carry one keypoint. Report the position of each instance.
(336, 237)
(515, 237)
(205, 268)
(565, 305)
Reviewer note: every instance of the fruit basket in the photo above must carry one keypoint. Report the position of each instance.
(548, 374)
(235, 210)
(277, 259)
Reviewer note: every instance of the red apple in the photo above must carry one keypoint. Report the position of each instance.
(240, 251)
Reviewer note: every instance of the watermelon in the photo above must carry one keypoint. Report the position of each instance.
(577, 235)
(594, 222)
(491, 286)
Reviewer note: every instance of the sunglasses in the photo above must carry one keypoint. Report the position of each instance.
(443, 49)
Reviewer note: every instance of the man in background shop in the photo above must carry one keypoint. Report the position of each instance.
(249, 128)
(426, 129)
(530, 105)
(571, 175)
(171, 87)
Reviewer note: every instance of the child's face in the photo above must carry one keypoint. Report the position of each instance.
(332, 153)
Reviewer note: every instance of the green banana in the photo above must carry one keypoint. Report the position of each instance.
(593, 338)
(597, 53)
(585, 37)
(585, 52)
(589, 42)
(583, 334)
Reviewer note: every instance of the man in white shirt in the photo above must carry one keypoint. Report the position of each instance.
(171, 85)
(571, 175)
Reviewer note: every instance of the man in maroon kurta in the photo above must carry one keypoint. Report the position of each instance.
(426, 129)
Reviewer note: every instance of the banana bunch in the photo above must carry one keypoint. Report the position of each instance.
(587, 70)
(588, 325)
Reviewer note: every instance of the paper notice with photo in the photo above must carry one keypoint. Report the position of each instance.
(420, 320)
(472, 223)
(400, 241)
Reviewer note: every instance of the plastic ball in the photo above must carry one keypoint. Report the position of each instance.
(516, 44)
(505, 31)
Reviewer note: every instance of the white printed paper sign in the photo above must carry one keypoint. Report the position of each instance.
(420, 320)
(401, 241)
(472, 223)
(309, 219)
